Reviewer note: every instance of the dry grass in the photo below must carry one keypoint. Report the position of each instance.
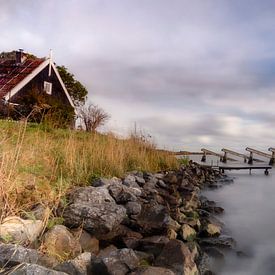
(39, 165)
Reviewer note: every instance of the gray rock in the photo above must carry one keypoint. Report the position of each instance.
(97, 219)
(81, 265)
(222, 241)
(140, 180)
(95, 209)
(12, 254)
(91, 195)
(133, 208)
(33, 269)
(122, 194)
(130, 181)
(105, 182)
(119, 262)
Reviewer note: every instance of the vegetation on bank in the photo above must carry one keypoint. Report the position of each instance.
(39, 164)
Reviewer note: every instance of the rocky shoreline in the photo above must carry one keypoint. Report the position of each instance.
(141, 224)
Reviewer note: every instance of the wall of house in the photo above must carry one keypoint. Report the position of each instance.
(38, 83)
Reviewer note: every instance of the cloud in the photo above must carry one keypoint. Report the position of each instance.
(190, 74)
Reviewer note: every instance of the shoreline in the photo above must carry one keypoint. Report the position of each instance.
(142, 223)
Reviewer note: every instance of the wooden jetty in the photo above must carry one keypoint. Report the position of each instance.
(231, 152)
(262, 154)
(209, 152)
(248, 167)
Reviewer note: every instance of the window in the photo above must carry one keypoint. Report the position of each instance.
(48, 87)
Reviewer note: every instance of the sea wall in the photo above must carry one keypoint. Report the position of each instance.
(142, 223)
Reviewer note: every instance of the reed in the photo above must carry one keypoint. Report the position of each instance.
(39, 164)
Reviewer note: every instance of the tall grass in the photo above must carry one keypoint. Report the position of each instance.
(39, 165)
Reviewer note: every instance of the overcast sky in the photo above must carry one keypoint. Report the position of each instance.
(192, 74)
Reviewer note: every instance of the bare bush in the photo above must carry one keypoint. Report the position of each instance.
(93, 116)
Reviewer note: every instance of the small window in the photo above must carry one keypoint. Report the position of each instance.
(48, 87)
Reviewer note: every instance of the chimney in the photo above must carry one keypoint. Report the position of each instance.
(19, 56)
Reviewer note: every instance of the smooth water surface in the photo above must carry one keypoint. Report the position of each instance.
(249, 218)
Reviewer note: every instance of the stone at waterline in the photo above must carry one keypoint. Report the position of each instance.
(222, 241)
(118, 262)
(187, 232)
(16, 230)
(32, 269)
(60, 243)
(177, 257)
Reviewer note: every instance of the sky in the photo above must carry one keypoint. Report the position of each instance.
(189, 74)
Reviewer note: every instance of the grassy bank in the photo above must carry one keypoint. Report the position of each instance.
(39, 165)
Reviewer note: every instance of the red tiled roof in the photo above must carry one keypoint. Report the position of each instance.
(12, 74)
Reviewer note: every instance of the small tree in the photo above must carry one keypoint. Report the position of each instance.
(93, 117)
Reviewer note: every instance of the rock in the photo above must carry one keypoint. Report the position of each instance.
(152, 245)
(162, 184)
(91, 195)
(187, 232)
(153, 270)
(32, 269)
(95, 210)
(204, 265)
(222, 241)
(140, 180)
(170, 178)
(119, 262)
(130, 181)
(153, 219)
(87, 242)
(123, 194)
(214, 252)
(213, 229)
(12, 254)
(174, 225)
(177, 257)
(81, 265)
(107, 251)
(60, 243)
(105, 182)
(133, 208)
(40, 211)
(171, 234)
(16, 230)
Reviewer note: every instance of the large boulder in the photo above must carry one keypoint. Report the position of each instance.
(187, 232)
(118, 262)
(60, 243)
(95, 210)
(16, 230)
(177, 257)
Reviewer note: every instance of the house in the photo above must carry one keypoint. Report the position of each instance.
(20, 73)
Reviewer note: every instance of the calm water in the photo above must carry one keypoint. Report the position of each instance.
(249, 217)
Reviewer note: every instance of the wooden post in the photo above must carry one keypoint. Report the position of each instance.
(250, 160)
